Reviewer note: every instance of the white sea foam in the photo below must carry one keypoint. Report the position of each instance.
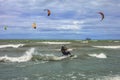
(84, 41)
(101, 55)
(108, 47)
(31, 55)
(117, 77)
(50, 57)
(70, 49)
(12, 45)
(54, 42)
(116, 41)
(26, 57)
(112, 78)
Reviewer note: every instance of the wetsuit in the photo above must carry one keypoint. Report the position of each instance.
(64, 51)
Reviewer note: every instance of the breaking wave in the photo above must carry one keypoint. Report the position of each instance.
(54, 42)
(116, 77)
(26, 57)
(101, 55)
(51, 57)
(31, 56)
(12, 45)
(108, 47)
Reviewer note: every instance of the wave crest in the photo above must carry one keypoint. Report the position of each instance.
(26, 57)
(108, 47)
(30, 55)
(48, 57)
(101, 55)
(54, 42)
(12, 45)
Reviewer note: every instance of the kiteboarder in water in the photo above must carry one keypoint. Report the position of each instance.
(65, 51)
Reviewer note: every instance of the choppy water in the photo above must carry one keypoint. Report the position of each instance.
(40, 60)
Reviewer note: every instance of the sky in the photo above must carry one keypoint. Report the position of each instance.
(74, 20)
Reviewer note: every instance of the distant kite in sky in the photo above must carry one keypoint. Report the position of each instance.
(5, 27)
(102, 15)
(48, 11)
(34, 25)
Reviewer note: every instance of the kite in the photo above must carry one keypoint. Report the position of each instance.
(48, 11)
(5, 27)
(34, 25)
(102, 15)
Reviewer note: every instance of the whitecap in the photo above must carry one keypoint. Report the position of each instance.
(54, 42)
(73, 77)
(26, 57)
(12, 45)
(70, 49)
(108, 47)
(116, 77)
(50, 57)
(116, 41)
(101, 55)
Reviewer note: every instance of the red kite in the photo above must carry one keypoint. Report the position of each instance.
(49, 12)
(102, 15)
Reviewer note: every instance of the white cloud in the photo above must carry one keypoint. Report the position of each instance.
(68, 27)
(65, 14)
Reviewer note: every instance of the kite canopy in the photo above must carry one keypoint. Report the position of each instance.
(102, 15)
(5, 27)
(48, 11)
(34, 25)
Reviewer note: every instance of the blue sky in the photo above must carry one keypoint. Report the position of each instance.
(69, 19)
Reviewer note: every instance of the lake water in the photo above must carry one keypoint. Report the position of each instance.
(39, 60)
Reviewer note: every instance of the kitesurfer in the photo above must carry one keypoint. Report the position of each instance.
(65, 51)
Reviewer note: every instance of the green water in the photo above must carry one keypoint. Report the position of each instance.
(84, 67)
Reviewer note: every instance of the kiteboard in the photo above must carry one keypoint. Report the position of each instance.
(65, 57)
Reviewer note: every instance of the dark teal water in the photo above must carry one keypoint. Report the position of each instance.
(36, 60)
